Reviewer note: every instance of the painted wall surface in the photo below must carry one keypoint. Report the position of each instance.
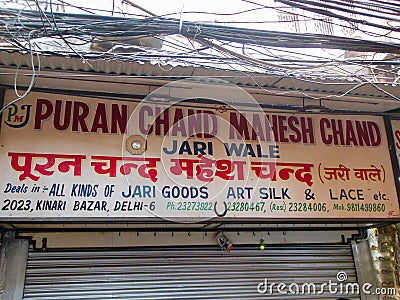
(75, 157)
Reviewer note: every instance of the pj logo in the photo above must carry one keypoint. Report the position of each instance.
(17, 117)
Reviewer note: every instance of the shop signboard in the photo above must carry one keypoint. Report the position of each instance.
(395, 124)
(78, 158)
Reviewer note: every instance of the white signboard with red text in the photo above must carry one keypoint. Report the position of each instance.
(71, 157)
(396, 135)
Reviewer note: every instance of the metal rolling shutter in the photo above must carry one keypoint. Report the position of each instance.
(183, 273)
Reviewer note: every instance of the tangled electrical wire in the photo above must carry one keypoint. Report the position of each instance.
(120, 37)
(21, 26)
(29, 23)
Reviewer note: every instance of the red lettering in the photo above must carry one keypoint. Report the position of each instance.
(257, 130)
(337, 132)
(307, 130)
(162, 120)
(397, 135)
(179, 124)
(269, 129)
(67, 115)
(275, 128)
(81, 112)
(18, 118)
(324, 124)
(119, 118)
(194, 123)
(239, 128)
(142, 118)
(210, 133)
(100, 119)
(41, 115)
(292, 123)
(362, 132)
(282, 129)
(350, 134)
(374, 133)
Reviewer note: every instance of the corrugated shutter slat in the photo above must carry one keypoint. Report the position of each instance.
(183, 273)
